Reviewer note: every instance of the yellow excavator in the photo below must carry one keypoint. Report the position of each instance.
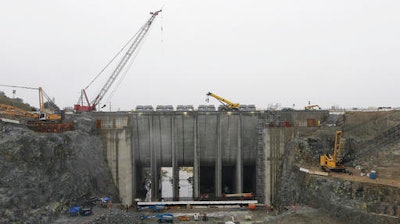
(226, 104)
(333, 162)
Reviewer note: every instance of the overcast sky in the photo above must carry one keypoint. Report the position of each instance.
(261, 52)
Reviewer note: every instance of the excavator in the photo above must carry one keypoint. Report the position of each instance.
(137, 40)
(226, 104)
(333, 162)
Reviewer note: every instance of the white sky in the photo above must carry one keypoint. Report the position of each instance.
(342, 52)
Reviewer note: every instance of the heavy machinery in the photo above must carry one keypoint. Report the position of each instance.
(333, 162)
(137, 40)
(312, 107)
(14, 112)
(78, 210)
(154, 208)
(51, 112)
(47, 119)
(226, 104)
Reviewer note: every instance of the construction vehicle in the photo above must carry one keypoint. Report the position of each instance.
(154, 208)
(312, 107)
(226, 104)
(333, 162)
(11, 111)
(137, 40)
(78, 210)
(162, 218)
(48, 113)
(47, 119)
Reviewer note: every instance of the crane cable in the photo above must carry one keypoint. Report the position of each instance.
(127, 69)
(51, 101)
(23, 87)
(112, 60)
(130, 63)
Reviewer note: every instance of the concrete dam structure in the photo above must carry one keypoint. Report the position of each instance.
(227, 152)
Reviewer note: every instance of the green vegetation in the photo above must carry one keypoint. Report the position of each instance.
(17, 102)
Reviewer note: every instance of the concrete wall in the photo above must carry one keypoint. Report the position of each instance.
(229, 143)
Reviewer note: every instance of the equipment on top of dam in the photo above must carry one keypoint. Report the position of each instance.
(137, 40)
(226, 104)
(49, 118)
(333, 162)
(312, 107)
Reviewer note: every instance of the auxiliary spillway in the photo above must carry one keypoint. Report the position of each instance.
(228, 152)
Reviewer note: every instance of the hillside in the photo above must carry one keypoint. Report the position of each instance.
(371, 143)
(17, 102)
(42, 174)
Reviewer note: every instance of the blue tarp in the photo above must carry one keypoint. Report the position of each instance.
(74, 210)
(105, 199)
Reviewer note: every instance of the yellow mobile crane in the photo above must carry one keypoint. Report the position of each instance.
(333, 162)
(227, 105)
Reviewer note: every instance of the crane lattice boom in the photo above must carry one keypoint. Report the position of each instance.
(135, 44)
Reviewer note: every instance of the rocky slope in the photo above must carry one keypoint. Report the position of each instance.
(42, 174)
(372, 142)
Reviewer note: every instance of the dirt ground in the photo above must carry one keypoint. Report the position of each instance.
(356, 176)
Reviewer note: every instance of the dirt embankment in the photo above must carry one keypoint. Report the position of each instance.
(42, 174)
(349, 201)
(371, 142)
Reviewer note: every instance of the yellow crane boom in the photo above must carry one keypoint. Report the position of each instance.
(333, 162)
(228, 105)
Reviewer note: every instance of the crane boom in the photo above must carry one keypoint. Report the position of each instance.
(135, 44)
(42, 96)
(333, 162)
(228, 105)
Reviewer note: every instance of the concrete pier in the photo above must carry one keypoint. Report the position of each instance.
(229, 152)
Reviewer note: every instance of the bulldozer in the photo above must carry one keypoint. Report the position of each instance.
(333, 162)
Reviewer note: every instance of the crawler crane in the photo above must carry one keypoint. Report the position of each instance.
(333, 162)
(47, 119)
(138, 38)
